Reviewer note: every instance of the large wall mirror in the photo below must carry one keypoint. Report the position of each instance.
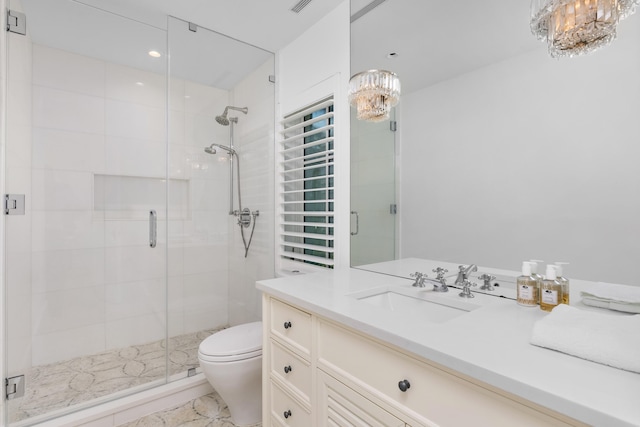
(502, 154)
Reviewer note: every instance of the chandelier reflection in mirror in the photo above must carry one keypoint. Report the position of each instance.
(576, 27)
(374, 93)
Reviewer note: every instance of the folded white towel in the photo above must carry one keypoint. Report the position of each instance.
(613, 292)
(604, 338)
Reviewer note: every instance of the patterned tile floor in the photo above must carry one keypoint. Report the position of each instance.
(60, 385)
(205, 411)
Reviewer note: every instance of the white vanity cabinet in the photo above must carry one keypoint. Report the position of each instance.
(287, 372)
(339, 405)
(341, 377)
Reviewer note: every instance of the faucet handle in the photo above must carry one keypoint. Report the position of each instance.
(487, 278)
(466, 289)
(440, 272)
(419, 279)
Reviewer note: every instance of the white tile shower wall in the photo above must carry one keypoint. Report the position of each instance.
(200, 246)
(96, 283)
(255, 141)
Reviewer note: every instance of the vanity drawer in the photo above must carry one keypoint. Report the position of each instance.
(431, 393)
(286, 411)
(291, 325)
(291, 370)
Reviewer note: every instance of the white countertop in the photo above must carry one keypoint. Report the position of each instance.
(490, 344)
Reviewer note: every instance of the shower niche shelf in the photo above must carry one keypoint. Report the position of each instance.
(132, 197)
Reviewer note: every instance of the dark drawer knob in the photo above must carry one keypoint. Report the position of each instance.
(287, 369)
(287, 325)
(287, 413)
(404, 385)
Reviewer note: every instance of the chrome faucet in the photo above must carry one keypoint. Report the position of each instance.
(487, 278)
(466, 289)
(420, 278)
(463, 273)
(439, 283)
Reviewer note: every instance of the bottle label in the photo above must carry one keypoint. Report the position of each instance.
(525, 292)
(549, 297)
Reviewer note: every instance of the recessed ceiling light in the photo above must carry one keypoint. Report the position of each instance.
(154, 54)
(392, 55)
(139, 83)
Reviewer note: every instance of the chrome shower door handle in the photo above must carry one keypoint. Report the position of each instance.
(353, 233)
(153, 228)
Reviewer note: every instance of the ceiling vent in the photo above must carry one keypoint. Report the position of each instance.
(297, 8)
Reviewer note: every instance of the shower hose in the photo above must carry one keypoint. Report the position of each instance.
(239, 213)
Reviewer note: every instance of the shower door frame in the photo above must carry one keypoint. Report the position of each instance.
(39, 183)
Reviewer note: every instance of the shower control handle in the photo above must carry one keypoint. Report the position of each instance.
(153, 228)
(287, 325)
(287, 369)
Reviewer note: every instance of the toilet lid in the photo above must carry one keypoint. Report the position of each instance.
(241, 339)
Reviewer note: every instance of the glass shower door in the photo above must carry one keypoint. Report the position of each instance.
(86, 264)
(373, 191)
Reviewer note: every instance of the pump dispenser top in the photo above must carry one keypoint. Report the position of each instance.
(552, 273)
(534, 267)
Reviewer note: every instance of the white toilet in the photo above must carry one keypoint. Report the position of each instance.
(232, 362)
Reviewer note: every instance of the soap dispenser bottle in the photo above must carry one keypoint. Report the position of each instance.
(564, 281)
(550, 290)
(527, 287)
(534, 272)
(534, 268)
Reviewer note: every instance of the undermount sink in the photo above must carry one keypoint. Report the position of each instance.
(417, 303)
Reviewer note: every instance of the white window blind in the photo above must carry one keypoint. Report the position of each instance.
(306, 186)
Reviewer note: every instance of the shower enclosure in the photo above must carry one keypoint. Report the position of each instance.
(125, 257)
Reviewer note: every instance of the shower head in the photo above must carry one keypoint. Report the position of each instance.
(211, 150)
(224, 120)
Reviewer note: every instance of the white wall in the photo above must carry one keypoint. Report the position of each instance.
(310, 68)
(528, 158)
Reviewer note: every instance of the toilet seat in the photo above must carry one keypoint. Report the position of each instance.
(236, 343)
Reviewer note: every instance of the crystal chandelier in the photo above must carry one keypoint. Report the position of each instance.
(373, 93)
(576, 27)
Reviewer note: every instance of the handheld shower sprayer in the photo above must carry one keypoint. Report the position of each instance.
(224, 120)
(212, 150)
(245, 216)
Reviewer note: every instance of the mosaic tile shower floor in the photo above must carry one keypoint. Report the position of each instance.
(60, 385)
